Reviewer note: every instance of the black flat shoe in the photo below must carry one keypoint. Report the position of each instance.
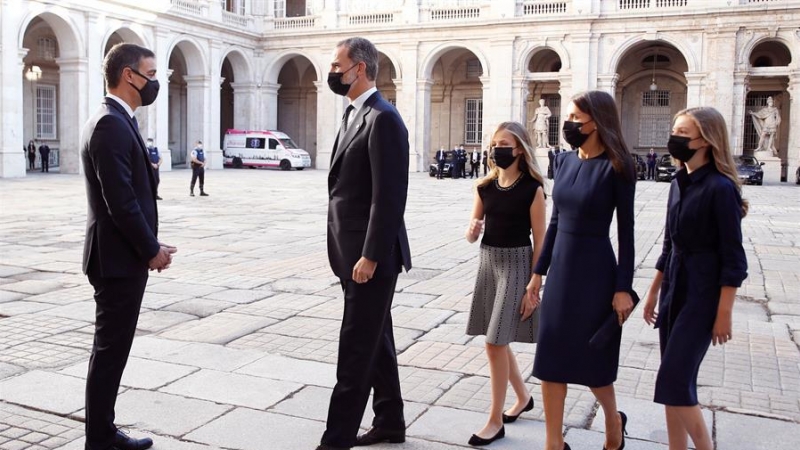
(124, 442)
(376, 435)
(512, 419)
(478, 441)
(624, 419)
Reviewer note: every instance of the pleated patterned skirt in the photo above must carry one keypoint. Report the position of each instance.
(503, 274)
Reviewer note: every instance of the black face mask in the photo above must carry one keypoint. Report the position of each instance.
(503, 157)
(573, 135)
(149, 91)
(335, 82)
(678, 147)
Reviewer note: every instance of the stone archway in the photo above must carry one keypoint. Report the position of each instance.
(236, 93)
(296, 112)
(543, 83)
(50, 114)
(651, 87)
(188, 84)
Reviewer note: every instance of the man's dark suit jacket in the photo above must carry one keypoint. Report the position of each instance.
(122, 220)
(367, 188)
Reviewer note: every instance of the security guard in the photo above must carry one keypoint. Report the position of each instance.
(198, 168)
(155, 161)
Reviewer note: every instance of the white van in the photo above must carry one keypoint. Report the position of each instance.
(242, 148)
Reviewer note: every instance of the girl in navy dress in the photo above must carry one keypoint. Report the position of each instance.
(702, 264)
(510, 201)
(586, 283)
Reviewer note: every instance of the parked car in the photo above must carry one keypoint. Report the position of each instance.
(449, 166)
(641, 166)
(749, 170)
(665, 170)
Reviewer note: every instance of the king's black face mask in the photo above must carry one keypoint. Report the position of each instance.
(335, 82)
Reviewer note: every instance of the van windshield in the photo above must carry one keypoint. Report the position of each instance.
(288, 143)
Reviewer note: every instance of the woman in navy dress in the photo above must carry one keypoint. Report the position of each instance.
(702, 264)
(586, 283)
(510, 201)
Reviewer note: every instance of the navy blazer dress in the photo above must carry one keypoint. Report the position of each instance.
(702, 252)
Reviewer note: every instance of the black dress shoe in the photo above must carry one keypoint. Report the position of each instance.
(376, 435)
(478, 441)
(124, 442)
(328, 447)
(624, 419)
(512, 419)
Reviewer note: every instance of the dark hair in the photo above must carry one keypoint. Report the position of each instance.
(121, 56)
(600, 105)
(362, 50)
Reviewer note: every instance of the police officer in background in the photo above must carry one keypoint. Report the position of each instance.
(441, 158)
(462, 161)
(475, 163)
(198, 168)
(155, 161)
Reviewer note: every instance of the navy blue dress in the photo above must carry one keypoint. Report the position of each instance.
(702, 252)
(583, 272)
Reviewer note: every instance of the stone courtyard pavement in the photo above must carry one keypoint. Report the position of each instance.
(237, 342)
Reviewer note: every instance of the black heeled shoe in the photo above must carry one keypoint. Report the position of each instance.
(477, 441)
(512, 419)
(624, 419)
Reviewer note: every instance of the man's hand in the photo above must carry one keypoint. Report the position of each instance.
(163, 258)
(364, 270)
(155, 166)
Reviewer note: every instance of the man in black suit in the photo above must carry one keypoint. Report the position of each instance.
(44, 151)
(441, 159)
(121, 233)
(367, 248)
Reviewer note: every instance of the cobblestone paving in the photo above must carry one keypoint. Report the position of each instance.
(239, 338)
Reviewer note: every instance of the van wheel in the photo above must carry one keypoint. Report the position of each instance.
(300, 168)
(286, 165)
(237, 162)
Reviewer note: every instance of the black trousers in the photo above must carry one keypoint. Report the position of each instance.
(157, 177)
(651, 172)
(31, 160)
(440, 172)
(474, 169)
(198, 172)
(46, 163)
(367, 361)
(117, 311)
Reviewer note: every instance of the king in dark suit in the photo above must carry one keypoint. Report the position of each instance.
(367, 249)
(121, 229)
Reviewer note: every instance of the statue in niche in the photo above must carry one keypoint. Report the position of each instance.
(541, 119)
(766, 122)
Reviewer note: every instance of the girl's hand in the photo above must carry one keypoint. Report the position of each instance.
(474, 229)
(623, 305)
(650, 314)
(723, 328)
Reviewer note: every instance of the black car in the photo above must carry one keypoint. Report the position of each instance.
(665, 170)
(641, 166)
(449, 166)
(749, 170)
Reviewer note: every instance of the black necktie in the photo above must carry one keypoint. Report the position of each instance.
(346, 117)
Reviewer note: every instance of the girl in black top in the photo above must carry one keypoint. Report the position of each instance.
(511, 203)
(702, 264)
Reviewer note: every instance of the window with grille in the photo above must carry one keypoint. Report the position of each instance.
(654, 119)
(46, 112)
(279, 8)
(553, 101)
(754, 102)
(474, 69)
(47, 48)
(473, 121)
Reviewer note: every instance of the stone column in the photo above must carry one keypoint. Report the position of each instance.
(269, 105)
(161, 107)
(329, 113)
(736, 124)
(519, 99)
(211, 114)
(12, 159)
(243, 99)
(501, 92)
(694, 89)
(584, 61)
(95, 57)
(72, 111)
(407, 100)
(608, 83)
(722, 41)
(489, 117)
(793, 149)
(423, 122)
(565, 92)
(197, 108)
